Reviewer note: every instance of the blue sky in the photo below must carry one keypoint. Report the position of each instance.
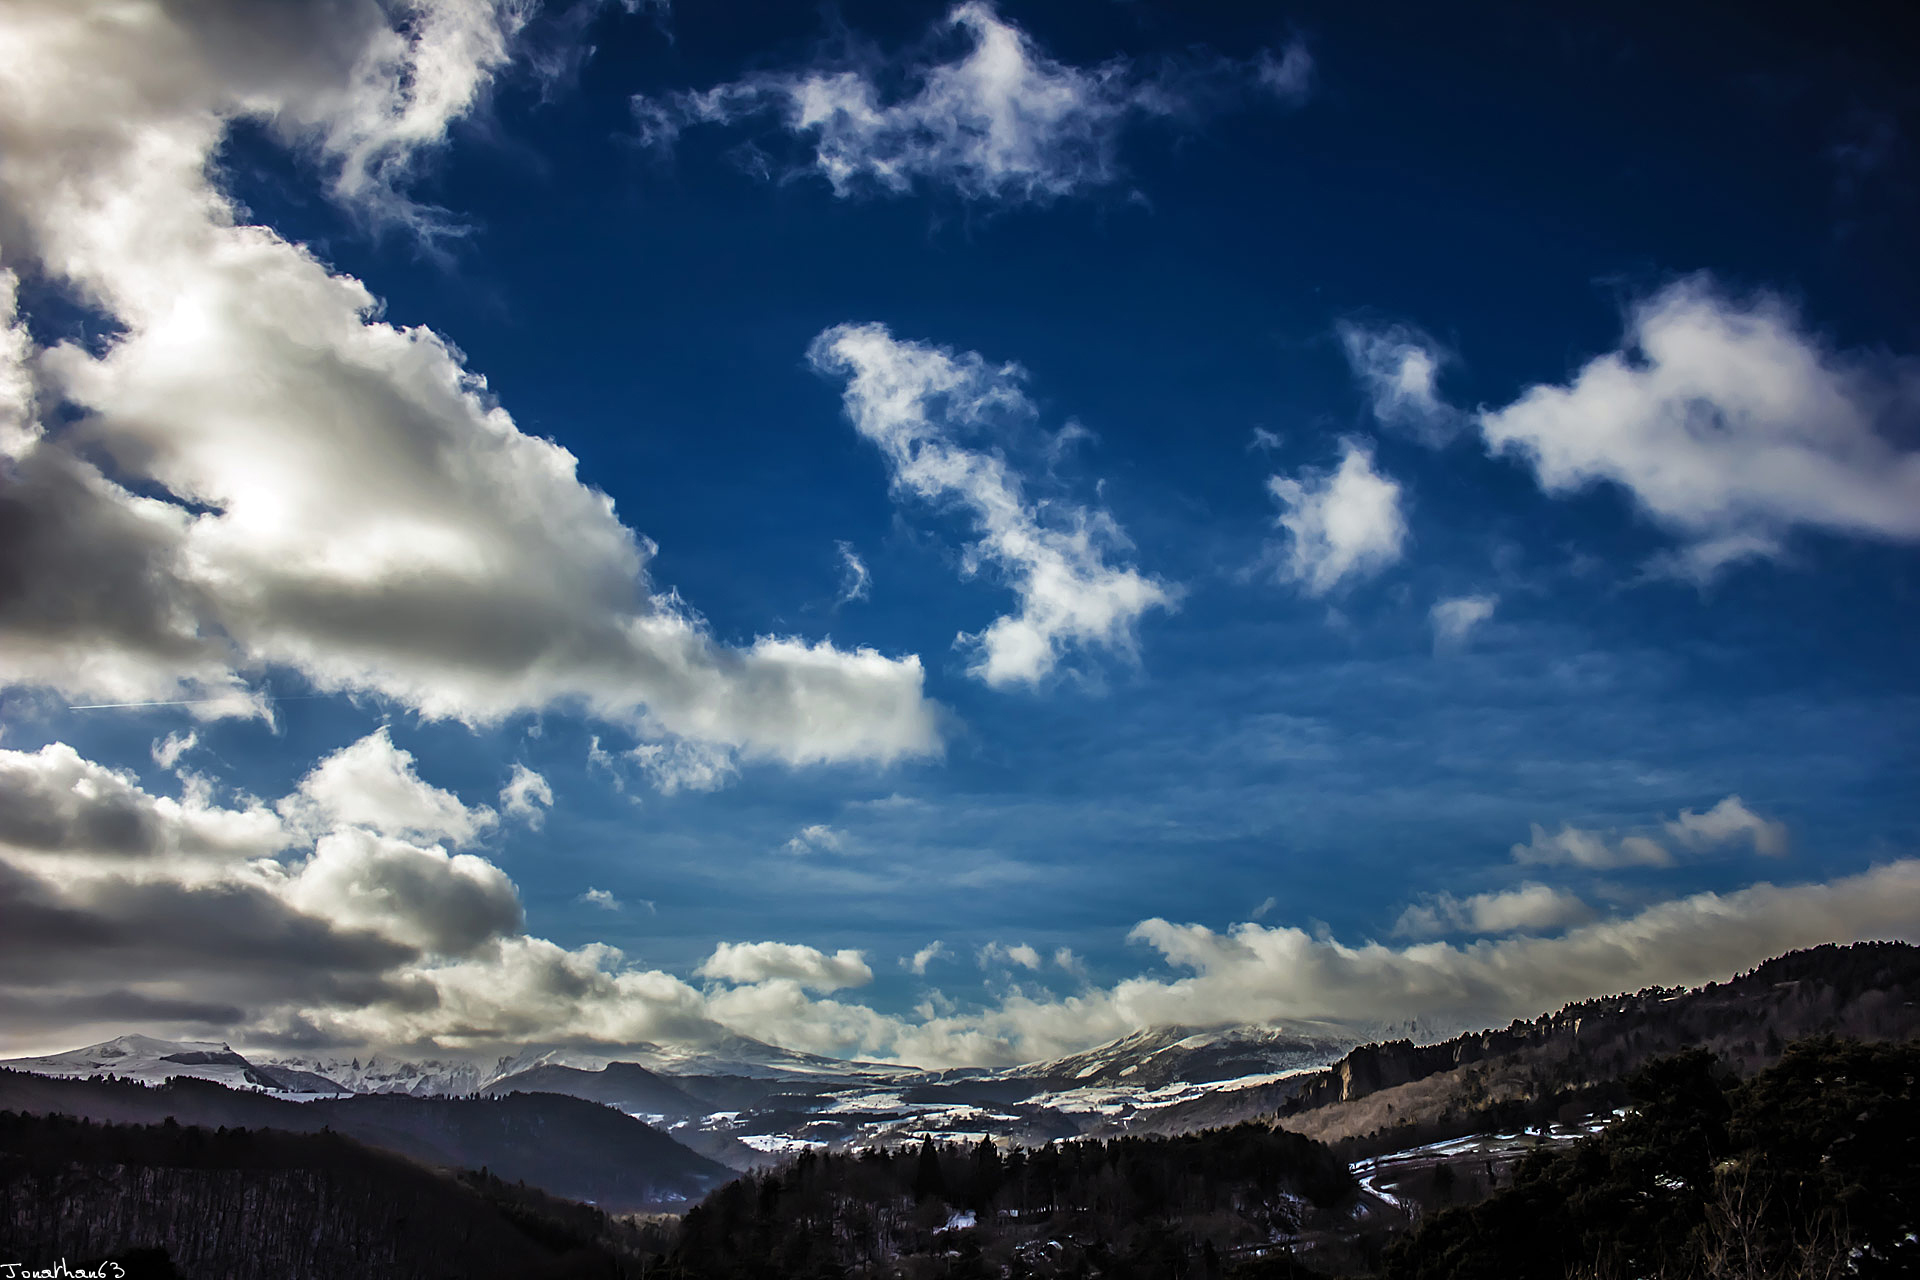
(1245, 513)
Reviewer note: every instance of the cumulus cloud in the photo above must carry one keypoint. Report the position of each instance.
(1455, 618)
(168, 750)
(817, 838)
(1533, 908)
(602, 899)
(1342, 524)
(683, 765)
(925, 956)
(526, 796)
(1021, 954)
(262, 471)
(1578, 847)
(121, 904)
(1001, 121)
(1399, 368)
(1728, 822)
(917, 403)
(754, 962)
(372, 784)
(1731, 425)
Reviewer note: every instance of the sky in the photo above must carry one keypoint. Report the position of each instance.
(943, 534)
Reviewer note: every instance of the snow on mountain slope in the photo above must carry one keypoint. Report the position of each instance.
(135, 1057)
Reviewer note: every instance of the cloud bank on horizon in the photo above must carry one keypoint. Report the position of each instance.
(223, 468)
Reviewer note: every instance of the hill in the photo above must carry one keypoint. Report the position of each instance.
(230, 1204)
(1385, 1097)
(565, 1146)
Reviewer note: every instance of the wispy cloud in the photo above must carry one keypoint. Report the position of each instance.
(917, 402)
(1000, 121)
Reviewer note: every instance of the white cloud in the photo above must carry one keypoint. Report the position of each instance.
(925, 956)
(222, 918)
(816, 838)
(754, 962)
(1575, 846)
(1726, 822)
(682, 765)
(1267, 904)
(1022, 954)
(1346, 523)
(1731, 426)
(915, 402)
(1264, 441)
(1455, 618)
(372, 784)
(293, 481)
(168, 750)
(1001, 122)
(856, 583)
(1073, 964)
(1532, 908)
(1399, 367)
(526, 795)
(602, 899)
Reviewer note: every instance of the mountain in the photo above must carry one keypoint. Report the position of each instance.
(1383, 1097)
(135, 1057)
(171, 1200)
(565, 1146)
(627, 1086)
(1161, 1056)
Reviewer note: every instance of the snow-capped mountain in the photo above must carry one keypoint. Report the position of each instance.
(135, 1057)
(1161, 1056)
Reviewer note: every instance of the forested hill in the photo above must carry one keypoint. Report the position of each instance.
(566, 1146)
(170, 1201)
(1384, 1096)
(1809, 1170)
(1145, 1208)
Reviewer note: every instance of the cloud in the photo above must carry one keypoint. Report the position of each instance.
(1267, 904)
(753, 962)
(1532, 908)
(372, 784)
(601, 898)
(855, 582)
(680, 765)
(1727, 822)
(1574, 846)
(1264, 440)
(1021, 954)
(264, 473)
(1342, 524)
(816, 838)
(1001, 121)
(55, 801)
(168, 750)
(1073, 964)
(916, 402)
(1399, 367)
(526, 795)
(1455, 618)
(193, 910)
(1731, 426)
(925, 956)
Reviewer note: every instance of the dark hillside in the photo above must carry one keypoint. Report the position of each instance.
(565, 1146)
(236, 1204)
